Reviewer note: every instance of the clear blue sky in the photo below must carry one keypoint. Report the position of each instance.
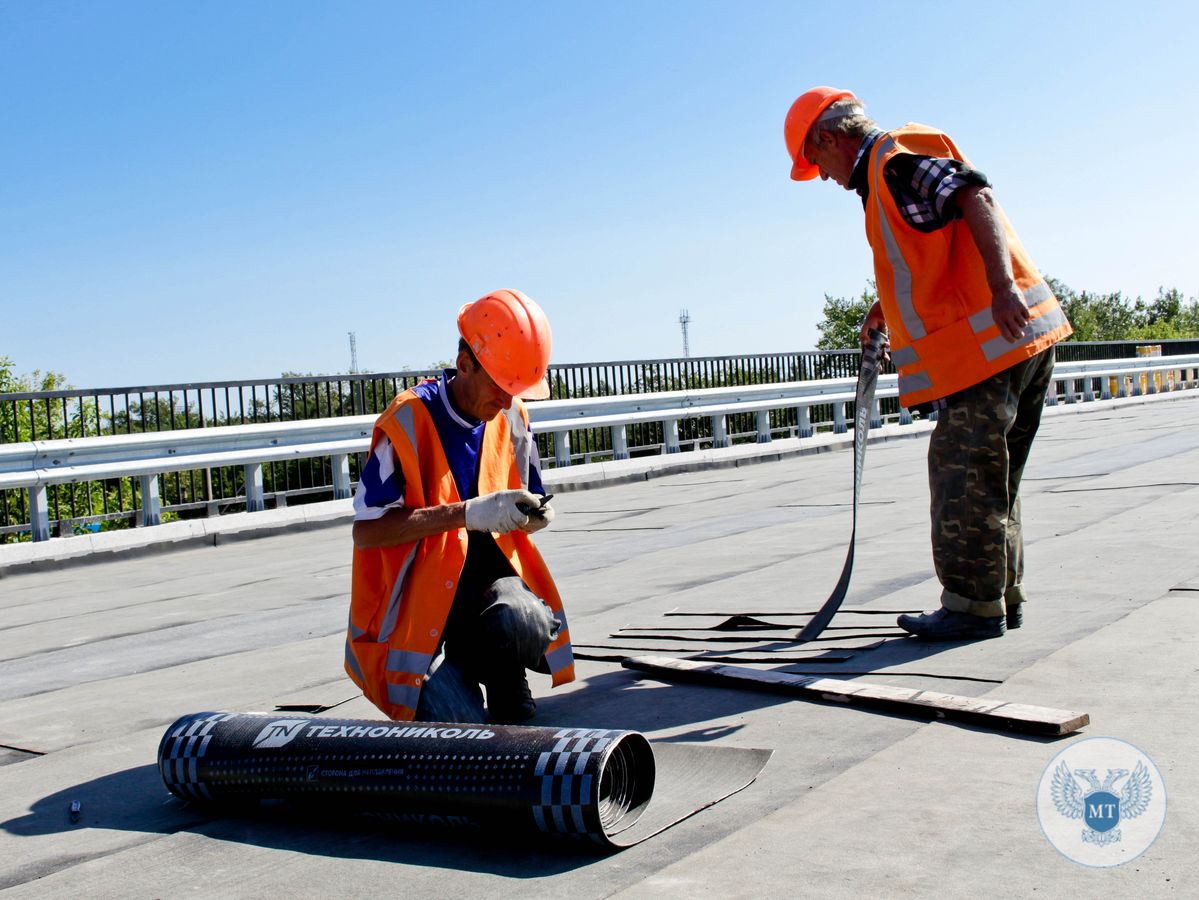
(219, 190)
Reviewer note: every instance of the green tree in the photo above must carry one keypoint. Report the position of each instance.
(843, 316)
(1113, 317)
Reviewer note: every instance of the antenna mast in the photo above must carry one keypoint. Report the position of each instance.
(684, 320)
(353, 353)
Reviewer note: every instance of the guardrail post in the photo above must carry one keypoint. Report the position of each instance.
(839, 426)
(341, 476)
(620, 442)
(720, 433)
(39, 513)
(804, 427)
(905, 416)
(1068, 386)
(1105, 387)
(876, 415)
(670, 435)
(561, 448)
(1151, 382)
(1051, 394)
(1088, 389)
(151, 504)
(763, 426)
(255, 502)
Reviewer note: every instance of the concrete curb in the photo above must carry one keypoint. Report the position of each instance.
(248, 526)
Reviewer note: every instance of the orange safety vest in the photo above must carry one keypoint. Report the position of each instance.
(401, 595)
(933, 287)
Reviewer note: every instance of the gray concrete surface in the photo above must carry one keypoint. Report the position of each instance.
(98, 656)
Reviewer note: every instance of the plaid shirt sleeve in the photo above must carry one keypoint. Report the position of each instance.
(924, 186)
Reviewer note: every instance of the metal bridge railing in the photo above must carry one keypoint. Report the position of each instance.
(36, 471)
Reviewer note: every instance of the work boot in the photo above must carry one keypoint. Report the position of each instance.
(509, 700)
(947, 625)
(1015, 616)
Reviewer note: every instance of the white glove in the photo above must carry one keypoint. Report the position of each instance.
(498, 512)
(539, 520)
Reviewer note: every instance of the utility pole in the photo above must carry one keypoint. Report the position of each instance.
(684, 319)
(358, 394)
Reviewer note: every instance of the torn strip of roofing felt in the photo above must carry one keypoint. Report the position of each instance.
(625, 528)
(1063, 477)
(772, 651)
(757, 626)
(789, 613)
(739, 639)
(830, 657)
(814, 505)
(798, 669)
(1124, 487)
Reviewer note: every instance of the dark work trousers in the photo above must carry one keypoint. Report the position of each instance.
(497, 628)
(976, 458)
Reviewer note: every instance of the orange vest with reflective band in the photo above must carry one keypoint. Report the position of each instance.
(402, 595)
(933, 287)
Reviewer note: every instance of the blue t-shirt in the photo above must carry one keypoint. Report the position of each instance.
(381, 484)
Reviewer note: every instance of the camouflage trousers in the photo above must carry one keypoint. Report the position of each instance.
(976, 458)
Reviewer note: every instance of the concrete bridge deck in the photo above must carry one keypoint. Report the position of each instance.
(96, 659)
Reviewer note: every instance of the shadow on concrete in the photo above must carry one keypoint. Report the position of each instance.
(621, 699)
(624, 699)
(135, 800)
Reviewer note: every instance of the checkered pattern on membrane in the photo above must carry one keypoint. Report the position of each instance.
(569, 788)
(183, 748)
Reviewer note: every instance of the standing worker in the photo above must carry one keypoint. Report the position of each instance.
(971, 325)
(449, 592)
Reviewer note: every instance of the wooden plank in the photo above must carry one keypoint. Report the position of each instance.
(988, 713)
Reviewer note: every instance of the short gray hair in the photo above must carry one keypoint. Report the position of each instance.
(845, 117)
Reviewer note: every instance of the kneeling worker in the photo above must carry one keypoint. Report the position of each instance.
(449, 592)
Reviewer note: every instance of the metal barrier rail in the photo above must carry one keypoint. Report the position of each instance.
(35, 465)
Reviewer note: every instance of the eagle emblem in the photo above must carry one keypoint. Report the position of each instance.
(1099, 804)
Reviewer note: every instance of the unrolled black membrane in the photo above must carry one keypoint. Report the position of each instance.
(576, 782)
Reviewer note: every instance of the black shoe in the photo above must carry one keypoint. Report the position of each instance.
(1015, 616)
(509, 700)
(947, 625)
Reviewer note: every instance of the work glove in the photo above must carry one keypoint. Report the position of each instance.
(499, 513)
(538, 519)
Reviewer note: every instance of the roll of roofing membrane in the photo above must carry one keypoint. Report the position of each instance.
(577, 782)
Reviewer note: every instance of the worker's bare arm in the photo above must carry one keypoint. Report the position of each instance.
(403, 525)
(981, 215)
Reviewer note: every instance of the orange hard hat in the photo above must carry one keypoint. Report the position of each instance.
(510, 337)
(800, 118)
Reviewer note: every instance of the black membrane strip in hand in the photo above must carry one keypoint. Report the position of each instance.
(872, 354)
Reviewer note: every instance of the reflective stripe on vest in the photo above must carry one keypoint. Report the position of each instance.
(934, 292)
(392, 638)
(1045, 321)
(408, 662)
(902, 279)
(393, 603)
(405, 695)
(521, 441)
(1052, 318)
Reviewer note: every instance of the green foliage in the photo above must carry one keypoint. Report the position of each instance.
(843, 316)
(1112, 317)
(1095, 317)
